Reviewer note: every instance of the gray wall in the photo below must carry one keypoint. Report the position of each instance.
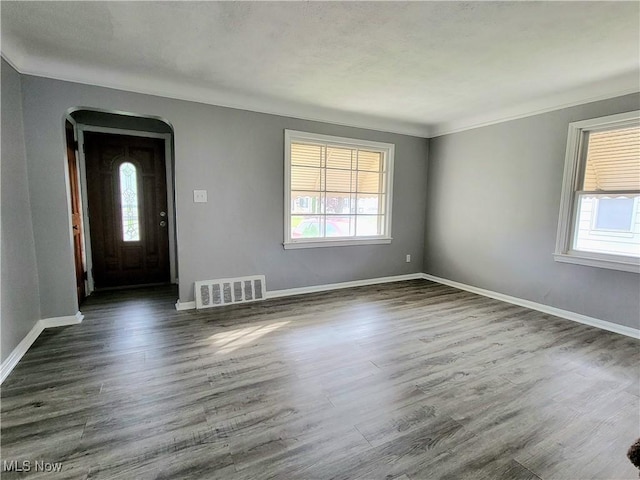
(238, 157)
(19, 277)
(491, 200)
(492, 215)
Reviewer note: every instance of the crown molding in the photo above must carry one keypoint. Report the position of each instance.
(47, 68)
(41, 67)
(613, 87)
(7, 59)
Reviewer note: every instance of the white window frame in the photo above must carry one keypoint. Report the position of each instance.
(574, 166)
(388, 149)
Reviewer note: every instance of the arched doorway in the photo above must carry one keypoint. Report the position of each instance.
(126, 197)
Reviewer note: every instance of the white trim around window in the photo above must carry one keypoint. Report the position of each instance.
(574, 171)
(342, 235)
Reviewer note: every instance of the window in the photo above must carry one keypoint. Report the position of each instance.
(337, 191)
(614, 214)
(599, 215)
(129, 202)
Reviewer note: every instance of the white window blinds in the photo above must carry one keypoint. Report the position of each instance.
(334, 169)
(613, 161)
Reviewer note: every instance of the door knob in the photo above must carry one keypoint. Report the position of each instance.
(163, 214)
(163, 223)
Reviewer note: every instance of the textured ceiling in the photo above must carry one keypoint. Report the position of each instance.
(421, 68)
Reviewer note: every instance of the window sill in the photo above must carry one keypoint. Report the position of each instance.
(612, 262)
(336, 243)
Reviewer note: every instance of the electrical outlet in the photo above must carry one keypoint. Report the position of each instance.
(199, 196)
(408, 259)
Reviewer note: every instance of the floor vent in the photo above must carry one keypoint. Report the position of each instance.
(226, 291)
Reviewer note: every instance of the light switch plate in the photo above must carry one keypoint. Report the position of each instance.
(199, 196)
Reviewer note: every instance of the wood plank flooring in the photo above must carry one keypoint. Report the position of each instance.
(406, 381)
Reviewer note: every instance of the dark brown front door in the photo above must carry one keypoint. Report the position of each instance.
(76, 214)
(127, 192)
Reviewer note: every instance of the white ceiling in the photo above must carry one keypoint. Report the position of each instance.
(422, 68)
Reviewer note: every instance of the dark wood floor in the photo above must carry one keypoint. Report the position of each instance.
(412, 380)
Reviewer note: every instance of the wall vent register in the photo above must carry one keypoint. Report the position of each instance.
(226, 291)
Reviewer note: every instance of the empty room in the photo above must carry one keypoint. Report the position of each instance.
(320, 240)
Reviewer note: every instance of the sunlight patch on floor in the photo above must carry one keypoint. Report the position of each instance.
(229, 341)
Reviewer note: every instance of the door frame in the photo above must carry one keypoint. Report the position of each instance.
(72, 121)
(171, 217)
(78, 197)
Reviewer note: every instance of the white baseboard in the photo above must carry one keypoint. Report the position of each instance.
(336, 286)
(14, 357)
(185, 305)
(320, 288)
(558, 312)
(62, 321)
